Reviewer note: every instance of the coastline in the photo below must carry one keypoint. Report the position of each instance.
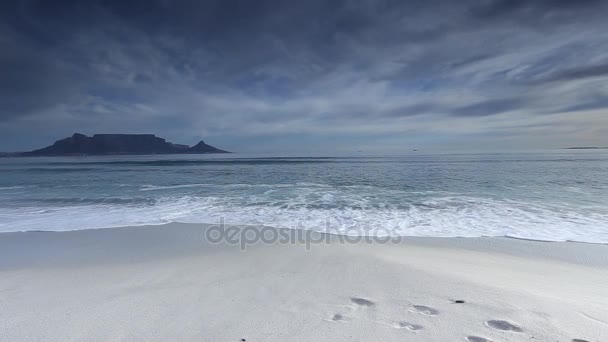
(157, 282)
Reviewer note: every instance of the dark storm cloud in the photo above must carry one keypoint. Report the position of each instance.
(268, 67)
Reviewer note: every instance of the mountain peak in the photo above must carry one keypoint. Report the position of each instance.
(202, 147)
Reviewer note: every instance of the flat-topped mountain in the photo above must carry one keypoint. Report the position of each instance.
(109, 144)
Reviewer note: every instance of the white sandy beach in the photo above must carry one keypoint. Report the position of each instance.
(164, 283)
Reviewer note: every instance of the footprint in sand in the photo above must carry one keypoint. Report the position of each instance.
(477, 339)
(503, 325)
(338, 318)
(409, 326)
(362, 302)
(426, 310)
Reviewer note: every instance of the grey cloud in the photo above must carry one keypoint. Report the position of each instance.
(489, 107)
(598, 103)
(470, 60)
(526, 10)
(413, 110)
(576, 73)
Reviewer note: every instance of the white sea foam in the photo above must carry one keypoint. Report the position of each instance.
(463, 216)
(15, 187)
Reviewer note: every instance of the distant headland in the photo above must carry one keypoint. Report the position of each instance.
(116, 144)
(586, 148)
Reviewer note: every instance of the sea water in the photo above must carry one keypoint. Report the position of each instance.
(557, 195)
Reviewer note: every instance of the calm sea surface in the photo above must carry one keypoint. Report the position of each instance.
(560, 195)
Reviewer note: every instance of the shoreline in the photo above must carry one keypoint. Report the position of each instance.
(200, 224)
(576, 252)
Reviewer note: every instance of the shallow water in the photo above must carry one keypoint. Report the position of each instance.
(558, 195)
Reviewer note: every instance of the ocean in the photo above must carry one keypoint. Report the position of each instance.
(554, 196)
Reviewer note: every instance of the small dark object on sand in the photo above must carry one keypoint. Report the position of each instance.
(243, 340)
(458, 301)
(579, 340)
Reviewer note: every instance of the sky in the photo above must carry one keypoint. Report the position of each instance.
(308, 76)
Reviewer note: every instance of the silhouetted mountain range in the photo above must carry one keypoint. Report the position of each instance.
(110, 144)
